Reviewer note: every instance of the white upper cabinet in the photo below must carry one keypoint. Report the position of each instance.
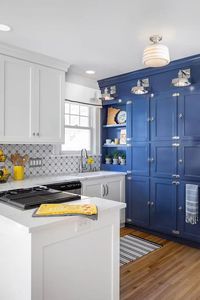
(16, 99)
(31, 99)
(49, 125)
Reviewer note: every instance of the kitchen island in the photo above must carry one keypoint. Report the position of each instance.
(62, 258)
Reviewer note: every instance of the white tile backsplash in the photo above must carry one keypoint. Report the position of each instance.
(51, 164)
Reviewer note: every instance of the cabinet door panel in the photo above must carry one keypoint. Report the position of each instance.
(16, 99)
(164, 113)
(189, 116)
(140, 155)
(164, 160)
(92, 188)
(163, 205)
(189, 161)
(115, 189)
(187, 231)
(51, 105)
(137, 201)
(140, 124)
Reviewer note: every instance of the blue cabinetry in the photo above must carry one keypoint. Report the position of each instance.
(163, 130)
(163, 159)
(138, 200)
(189, 115)
(187, 231)
(163, 117)
(140, 159)
(189, 161)
(140, 119)
(163, 205)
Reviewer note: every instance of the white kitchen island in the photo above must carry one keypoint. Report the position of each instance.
(60, 258)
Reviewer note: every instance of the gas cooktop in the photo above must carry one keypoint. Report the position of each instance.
(33, 197)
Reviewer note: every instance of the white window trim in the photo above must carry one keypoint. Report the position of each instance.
(95, 134)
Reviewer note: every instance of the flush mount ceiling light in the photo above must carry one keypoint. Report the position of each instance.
(4, 27)
(156, 55)
(90, 72)
(139, 89)
(183, 78)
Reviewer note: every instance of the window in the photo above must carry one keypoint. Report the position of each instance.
(80, 130)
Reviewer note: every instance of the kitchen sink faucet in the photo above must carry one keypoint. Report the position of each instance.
(83, 161)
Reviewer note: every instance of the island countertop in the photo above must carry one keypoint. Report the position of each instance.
(26, 222)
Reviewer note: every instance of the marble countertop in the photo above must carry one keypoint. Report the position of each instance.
(43, 180)
(23, 220)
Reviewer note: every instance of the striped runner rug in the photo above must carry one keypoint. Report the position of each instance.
(132, 248)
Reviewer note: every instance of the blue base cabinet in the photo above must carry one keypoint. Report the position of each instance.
(138, 200)
(187, 231)
(163, 217)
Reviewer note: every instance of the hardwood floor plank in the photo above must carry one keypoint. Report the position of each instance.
(169, 273)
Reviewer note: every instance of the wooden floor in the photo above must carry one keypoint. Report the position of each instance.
(169, 273)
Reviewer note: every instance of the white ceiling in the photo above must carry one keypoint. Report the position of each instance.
(105, 35)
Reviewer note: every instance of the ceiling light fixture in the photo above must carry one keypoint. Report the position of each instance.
(139, 89)
(90, 72)
(156, 55)
(4, 27)
(183, 78)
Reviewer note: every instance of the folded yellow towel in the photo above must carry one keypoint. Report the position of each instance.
(65, 209)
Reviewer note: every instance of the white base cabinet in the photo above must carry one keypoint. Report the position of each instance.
(112, 188)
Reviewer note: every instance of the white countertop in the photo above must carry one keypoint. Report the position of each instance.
(24, 221)
(42, 180)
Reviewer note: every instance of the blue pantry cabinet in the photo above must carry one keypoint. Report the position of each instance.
(163, 133)
(163, 117)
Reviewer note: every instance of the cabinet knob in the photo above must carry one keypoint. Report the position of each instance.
(33, 133)
(38, 134)
(180, 161)
(176, 182)
(148, 203)
(151, 159)
(152, 203)
(180, 208)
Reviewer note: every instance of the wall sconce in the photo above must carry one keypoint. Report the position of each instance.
(139, 89)
(183, 78)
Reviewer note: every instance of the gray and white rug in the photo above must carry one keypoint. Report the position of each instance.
(132, 248)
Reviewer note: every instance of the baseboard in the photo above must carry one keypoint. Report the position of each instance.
(165, 236)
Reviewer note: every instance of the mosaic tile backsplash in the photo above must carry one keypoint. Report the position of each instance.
(51, 164)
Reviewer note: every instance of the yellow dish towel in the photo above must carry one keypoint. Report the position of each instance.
(65, 209)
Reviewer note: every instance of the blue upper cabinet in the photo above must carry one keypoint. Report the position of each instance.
(163, 160)
(163, 117)
(140, 159)
(163, 214)
(140, 119)
(189, 161)
(189, 115)
(138, 200)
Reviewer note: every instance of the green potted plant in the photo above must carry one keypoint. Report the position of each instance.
(123, 159)
(115, 158)
(108, 158)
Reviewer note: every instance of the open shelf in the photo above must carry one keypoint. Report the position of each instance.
(115, 125)
(111, 167)
(115, 146)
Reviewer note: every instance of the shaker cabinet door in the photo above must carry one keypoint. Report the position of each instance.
(50, 101)
(163, 117)
(163, 160)
(140, 119)
(189, 116)
(16, 100)
(138, 201)
(163, 205)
